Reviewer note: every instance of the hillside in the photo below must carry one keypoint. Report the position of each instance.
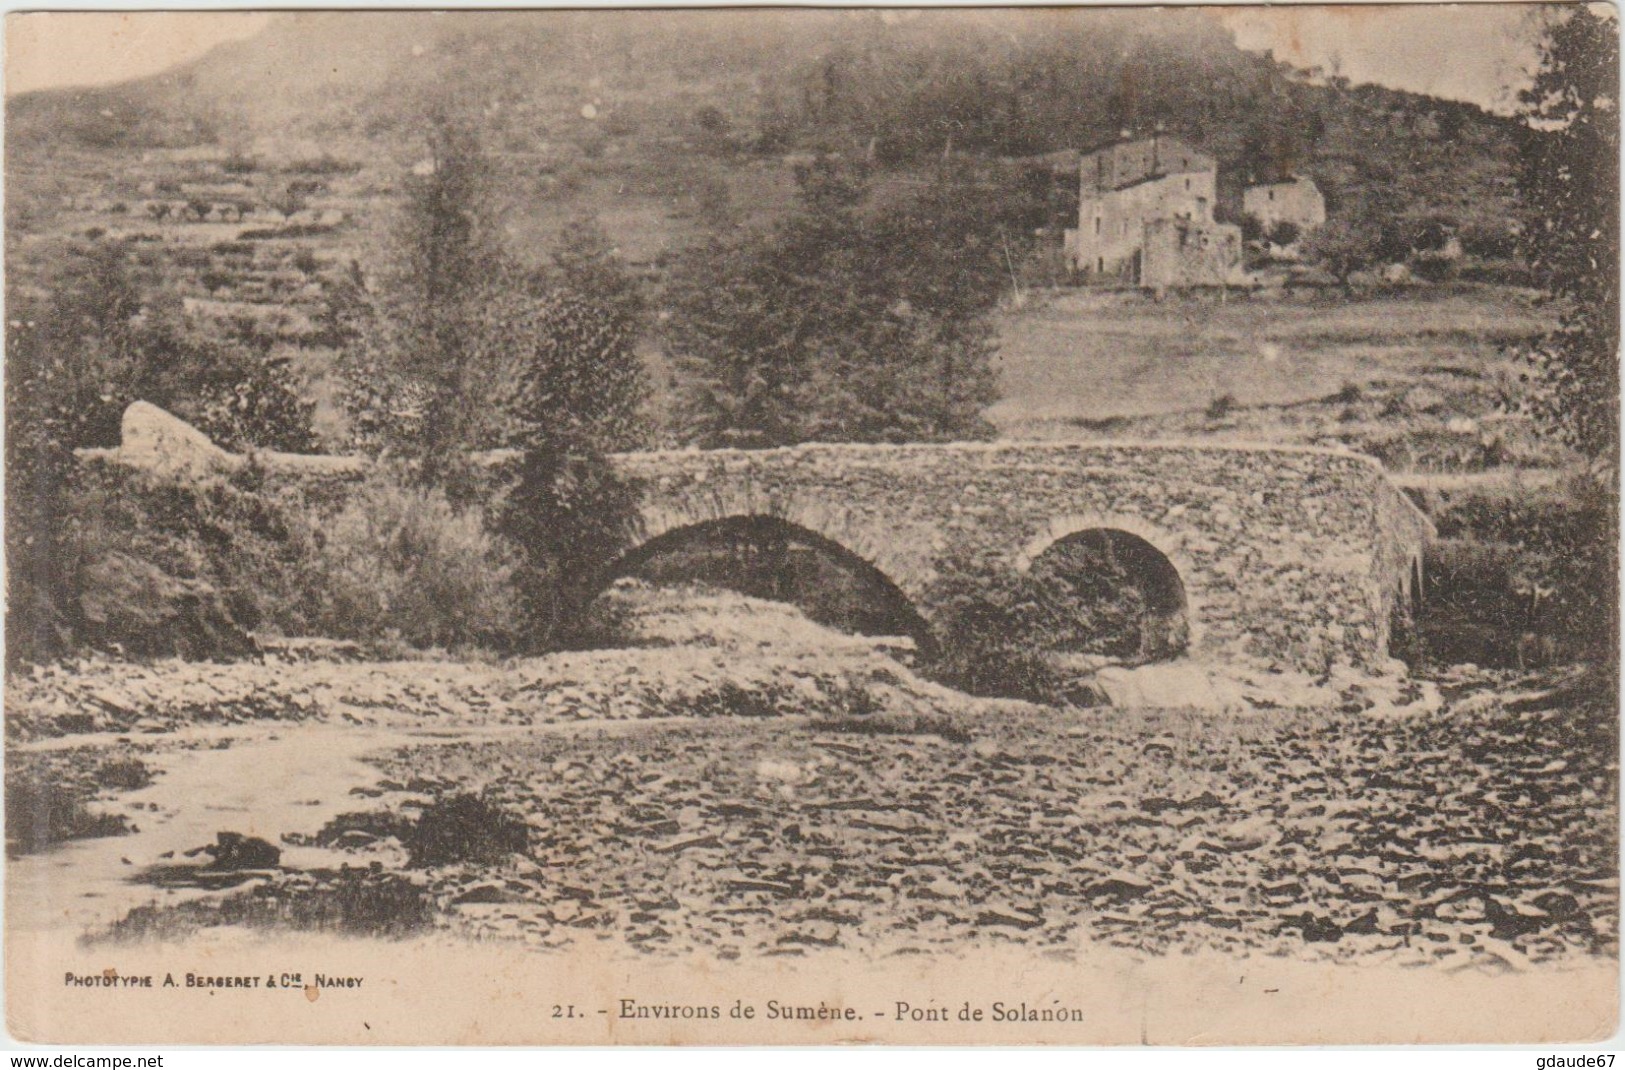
(659, 123)
(257, 185)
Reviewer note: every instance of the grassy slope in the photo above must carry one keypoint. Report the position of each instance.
(1423, 362)
(1083, 355)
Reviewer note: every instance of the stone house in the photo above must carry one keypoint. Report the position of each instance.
(1132, 187)
(1187, 252)
(1297, 201)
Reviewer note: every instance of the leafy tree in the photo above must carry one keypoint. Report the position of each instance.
(417, 386)
(581, 387)
(1363, 233)
(732, 332)
(571, 378)
(1569, 186)
(288, 201)
(589, 266)
(857, 319)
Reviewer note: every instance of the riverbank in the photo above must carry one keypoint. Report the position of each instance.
(755, 787)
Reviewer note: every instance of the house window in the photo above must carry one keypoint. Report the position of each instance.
(1100, 265)
(1272, 194)
(1187, 184)
(1097, 225)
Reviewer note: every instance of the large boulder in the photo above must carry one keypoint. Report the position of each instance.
(1161, 685)
(153, 439)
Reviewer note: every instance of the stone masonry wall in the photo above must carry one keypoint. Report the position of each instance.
(1290, 556)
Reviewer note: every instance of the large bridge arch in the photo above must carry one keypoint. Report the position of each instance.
(890, 602)
(701, 495)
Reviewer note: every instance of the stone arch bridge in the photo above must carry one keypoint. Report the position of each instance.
(1293, 557)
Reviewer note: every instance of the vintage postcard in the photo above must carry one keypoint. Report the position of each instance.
(1052, 526)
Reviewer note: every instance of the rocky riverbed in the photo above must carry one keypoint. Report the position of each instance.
(745, 784)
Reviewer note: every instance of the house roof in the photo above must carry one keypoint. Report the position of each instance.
(1155, 176)
(1167, 156)
(1290, 180)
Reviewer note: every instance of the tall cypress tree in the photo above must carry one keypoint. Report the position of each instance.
(1569, 186)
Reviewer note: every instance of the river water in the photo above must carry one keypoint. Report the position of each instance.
(264, 782)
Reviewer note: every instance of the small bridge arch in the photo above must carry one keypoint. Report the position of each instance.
(1150, 553)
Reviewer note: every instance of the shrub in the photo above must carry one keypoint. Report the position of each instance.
(1493, 240)
(262, 409)
(1435, 267)
(996, 633)
(354, 902)
(570, 513)
(464, 828)
(1095, 598)
(222, 541)
(982, 652)
(1349, 394)
(1221, 406)
(306, 261)
(325, 164)
(1284, 233)
(1513, 573)
(124, 774)
(113, 558)
(191, 257)
(399, 561)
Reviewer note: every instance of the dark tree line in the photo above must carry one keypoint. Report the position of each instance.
(866, 316)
